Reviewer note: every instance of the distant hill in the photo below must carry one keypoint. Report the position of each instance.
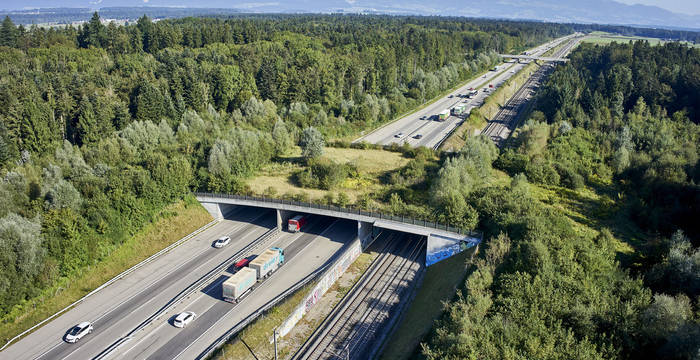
(579, 11)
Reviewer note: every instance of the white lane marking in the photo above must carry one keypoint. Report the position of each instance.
(201, 265)
(148, 335)
(274, 242)
(49, 350)
(227, 229)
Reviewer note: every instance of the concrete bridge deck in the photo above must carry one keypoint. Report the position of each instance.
(365, 220)
(528, 57)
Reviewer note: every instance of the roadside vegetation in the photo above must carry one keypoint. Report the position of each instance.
(589, 213)
(439, 286)
(592, 249)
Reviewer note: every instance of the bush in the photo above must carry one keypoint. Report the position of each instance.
(340, 144)
(323, 174)
(311, 143)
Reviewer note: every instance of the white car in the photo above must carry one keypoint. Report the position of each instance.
(399, 135)
(79, 331)
(222, 241)
(183, 319)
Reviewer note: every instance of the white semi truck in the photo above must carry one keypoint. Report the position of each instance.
(239, 284)
(258, 269)
(267, 262)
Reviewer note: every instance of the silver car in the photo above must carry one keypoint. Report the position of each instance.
(222, 241)
(79, 331)
(183, 319)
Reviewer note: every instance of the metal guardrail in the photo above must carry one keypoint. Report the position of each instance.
(193, 288)
(355, 211)
(321, 271)
(112, 280)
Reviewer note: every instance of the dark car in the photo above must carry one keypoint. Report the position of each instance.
(418, 136)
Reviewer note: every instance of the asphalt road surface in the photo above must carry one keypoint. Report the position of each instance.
(121, 307)
(304, 252)
(422, 128)
(124, 304)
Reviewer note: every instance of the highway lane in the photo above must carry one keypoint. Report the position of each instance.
(135, 293)
(304, 252)
(435, 132)
(412, 124)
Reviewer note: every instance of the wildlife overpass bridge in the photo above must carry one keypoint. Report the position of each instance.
(366, 220)
(527, 57)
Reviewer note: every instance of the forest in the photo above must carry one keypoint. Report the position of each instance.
(591, 248)
(593, 245)
(103, 126)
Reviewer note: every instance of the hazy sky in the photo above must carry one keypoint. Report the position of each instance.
(691, 7)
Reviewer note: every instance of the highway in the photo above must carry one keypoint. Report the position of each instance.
(124, 306)
(422, 128)
(501, 125)
(304, 253)
(126, 303)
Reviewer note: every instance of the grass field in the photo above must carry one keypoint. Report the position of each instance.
(175, 222)
(440, 285)
(371, 165)
(598, 37)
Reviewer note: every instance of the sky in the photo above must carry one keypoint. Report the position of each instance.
(688, 7)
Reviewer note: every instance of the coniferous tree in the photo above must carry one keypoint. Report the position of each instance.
(8, 33)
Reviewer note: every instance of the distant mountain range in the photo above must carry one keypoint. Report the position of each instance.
(578, 11)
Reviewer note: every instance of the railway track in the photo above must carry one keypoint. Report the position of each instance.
(353, 325)
(501, 126)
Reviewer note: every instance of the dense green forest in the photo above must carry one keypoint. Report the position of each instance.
(102, 126)
(615, 135)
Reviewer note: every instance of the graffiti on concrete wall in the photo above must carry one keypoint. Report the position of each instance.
(440, 248)
(325, 283)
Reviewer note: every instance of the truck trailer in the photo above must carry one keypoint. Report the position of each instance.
(459, 110)
(267, 262)
(294, 224)
(238, 284)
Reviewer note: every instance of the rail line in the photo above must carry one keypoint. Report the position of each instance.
(352, 325)
(501, 126)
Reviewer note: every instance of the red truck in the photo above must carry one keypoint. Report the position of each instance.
(295, 223)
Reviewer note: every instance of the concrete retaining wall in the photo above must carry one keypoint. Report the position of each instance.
(326, 281)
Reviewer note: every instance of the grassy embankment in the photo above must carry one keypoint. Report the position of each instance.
(371, 166)
(589, 209)
(493, 103)
(258, 334)
(174, 222)
(440, 285)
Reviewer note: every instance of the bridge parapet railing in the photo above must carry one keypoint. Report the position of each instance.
(347, 210)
